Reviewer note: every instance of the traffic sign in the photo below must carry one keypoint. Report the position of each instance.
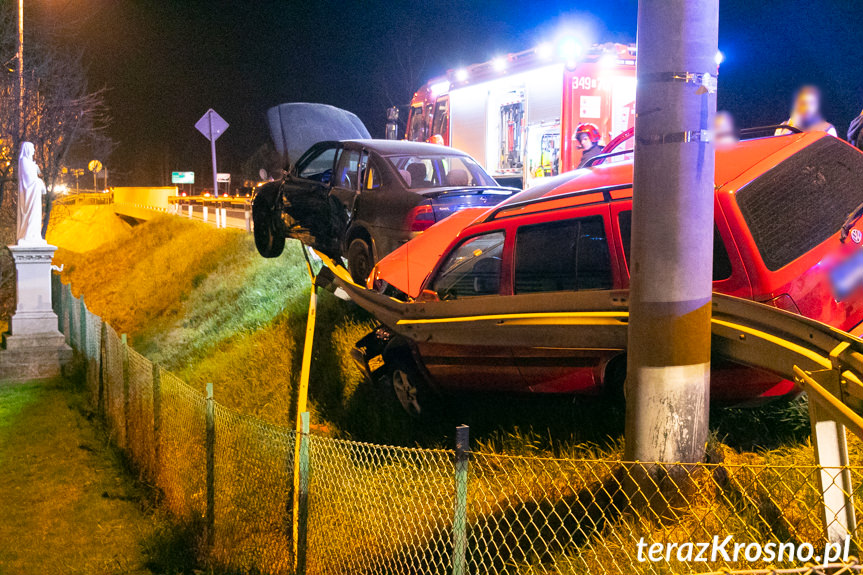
(223, 178)
(182, 177)
(212, 125)
(95, 166)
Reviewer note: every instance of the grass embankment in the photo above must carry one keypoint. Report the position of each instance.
(205, 305)
(67, 506)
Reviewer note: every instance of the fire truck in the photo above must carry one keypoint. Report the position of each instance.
(517, 114)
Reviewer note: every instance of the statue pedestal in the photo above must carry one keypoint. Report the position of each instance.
(34, 346)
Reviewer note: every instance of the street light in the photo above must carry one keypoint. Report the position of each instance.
(21, 69)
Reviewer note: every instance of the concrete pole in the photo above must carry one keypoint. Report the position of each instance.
(668, 372)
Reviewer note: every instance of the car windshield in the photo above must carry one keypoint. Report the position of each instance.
(440, 171)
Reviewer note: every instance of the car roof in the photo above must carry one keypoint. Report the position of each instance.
(731, 162)
(401, 147)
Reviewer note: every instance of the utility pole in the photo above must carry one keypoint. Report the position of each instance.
(20, 55)
(668, 371)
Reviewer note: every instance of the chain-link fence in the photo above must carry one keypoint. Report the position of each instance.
(364, 508)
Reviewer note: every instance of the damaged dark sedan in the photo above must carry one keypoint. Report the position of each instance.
(360, 199)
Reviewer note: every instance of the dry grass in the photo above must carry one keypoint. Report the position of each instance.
(85, 228)
(203, 303)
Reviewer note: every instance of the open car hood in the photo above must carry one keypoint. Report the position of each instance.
(295, 127)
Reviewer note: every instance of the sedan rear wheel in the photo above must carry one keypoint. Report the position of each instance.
(360, 260)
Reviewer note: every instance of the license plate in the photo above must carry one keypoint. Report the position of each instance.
(847, 276)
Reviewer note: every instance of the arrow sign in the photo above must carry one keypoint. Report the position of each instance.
(212, 125)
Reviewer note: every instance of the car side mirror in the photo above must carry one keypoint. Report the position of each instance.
(428, 295)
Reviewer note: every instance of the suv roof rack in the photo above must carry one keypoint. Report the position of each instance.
(769, 129)
(598, 159)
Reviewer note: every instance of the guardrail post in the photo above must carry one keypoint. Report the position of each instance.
(211, 467)
(157, 419)
(248, 216)
(190, 209)
(459, 520)
(125, 351)
(204, 204)
(303, 495)
(831, 455)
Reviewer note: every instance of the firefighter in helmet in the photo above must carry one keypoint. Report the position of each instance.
(587, 138)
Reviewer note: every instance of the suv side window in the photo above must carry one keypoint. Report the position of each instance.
(319, 167)
(563, 256)
(472, 268)
(721, 261)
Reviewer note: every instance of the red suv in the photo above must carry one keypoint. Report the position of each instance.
(784, 206)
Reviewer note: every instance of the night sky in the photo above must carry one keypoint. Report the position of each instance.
(166, 61)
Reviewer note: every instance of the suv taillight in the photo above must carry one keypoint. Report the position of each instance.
(785, 302)
(420, 218)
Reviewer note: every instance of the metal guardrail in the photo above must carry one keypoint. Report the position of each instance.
(184, 206)
(204, 200)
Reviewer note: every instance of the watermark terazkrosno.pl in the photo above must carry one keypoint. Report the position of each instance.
(730, 551)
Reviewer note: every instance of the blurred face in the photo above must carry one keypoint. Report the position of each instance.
(723, 127)
(807, 104)
(584, 142)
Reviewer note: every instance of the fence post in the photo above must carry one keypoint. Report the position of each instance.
(157, 419)
(83, 326)
(459, 520)
(125, 356)
(211, 467)
(303, 495)
(67, 313)
(103, 353)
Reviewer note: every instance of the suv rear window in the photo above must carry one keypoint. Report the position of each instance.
(721, 262)
(803, 201)
(562, 256)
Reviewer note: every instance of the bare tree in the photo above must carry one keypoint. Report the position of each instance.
(60, 111)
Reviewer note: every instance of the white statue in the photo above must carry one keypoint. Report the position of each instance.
(31, 188)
